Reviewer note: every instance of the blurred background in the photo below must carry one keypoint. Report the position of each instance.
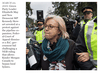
(59, 8)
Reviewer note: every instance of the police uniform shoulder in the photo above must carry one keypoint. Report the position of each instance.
(95, 20)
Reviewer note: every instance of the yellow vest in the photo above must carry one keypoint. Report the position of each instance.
(82, 23)
(39, 35)
(90, 35)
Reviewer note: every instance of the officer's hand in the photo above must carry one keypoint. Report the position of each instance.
(83, 57)
(27, 50)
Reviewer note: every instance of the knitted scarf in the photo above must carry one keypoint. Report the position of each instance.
(58, 53)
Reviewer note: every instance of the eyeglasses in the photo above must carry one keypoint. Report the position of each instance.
(50, 26)
(87, 12)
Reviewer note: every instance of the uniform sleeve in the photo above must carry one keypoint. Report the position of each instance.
(80, 43)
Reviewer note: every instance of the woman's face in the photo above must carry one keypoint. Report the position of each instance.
(51, 29)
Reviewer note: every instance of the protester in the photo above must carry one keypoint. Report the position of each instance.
(57, 50)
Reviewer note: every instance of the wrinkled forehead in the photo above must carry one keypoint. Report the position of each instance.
(51, 21)
(87, 10)
(57, 19)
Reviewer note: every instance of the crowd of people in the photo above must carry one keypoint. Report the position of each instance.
(57, 50)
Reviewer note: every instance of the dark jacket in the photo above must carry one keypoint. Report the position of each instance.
(34, 48)
(81, 47)
(68, 58)
(77, 30)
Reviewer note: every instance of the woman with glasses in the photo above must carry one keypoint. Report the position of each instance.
(57, 50)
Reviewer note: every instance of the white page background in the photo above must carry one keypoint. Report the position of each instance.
(20, 67)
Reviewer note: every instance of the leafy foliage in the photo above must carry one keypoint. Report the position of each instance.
(63, 8)
(28, 9)
(67, 8)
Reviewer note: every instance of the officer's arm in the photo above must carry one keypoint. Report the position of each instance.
(80, 43)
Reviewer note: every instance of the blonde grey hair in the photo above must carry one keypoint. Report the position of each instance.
(61, 24)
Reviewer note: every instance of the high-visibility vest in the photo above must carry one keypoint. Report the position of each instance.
(82, 23)
(94, 17)
(90, 35)
(39, 35)
(29, 40)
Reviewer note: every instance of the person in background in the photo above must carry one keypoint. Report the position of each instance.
(76, 29)
(27, 50)
(57, 51)
(32, 49)
(88, 13)
(75, 24)
(86, 46)
(40, 32)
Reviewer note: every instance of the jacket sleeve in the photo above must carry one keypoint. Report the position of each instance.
(80, 43)
(75, 32)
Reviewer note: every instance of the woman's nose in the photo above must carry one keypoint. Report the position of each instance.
(46, 28)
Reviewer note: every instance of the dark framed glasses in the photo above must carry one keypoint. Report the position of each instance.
(87, 12)
(50, 26)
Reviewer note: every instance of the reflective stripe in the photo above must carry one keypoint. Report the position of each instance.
(40, 40)
(35, 32)
(89, 33)
(29, 40)
(82, 24)
(94, 18)
(43, 34)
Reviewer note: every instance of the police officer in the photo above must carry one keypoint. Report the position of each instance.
(88, 13)
(86, 46)
(40, 32)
